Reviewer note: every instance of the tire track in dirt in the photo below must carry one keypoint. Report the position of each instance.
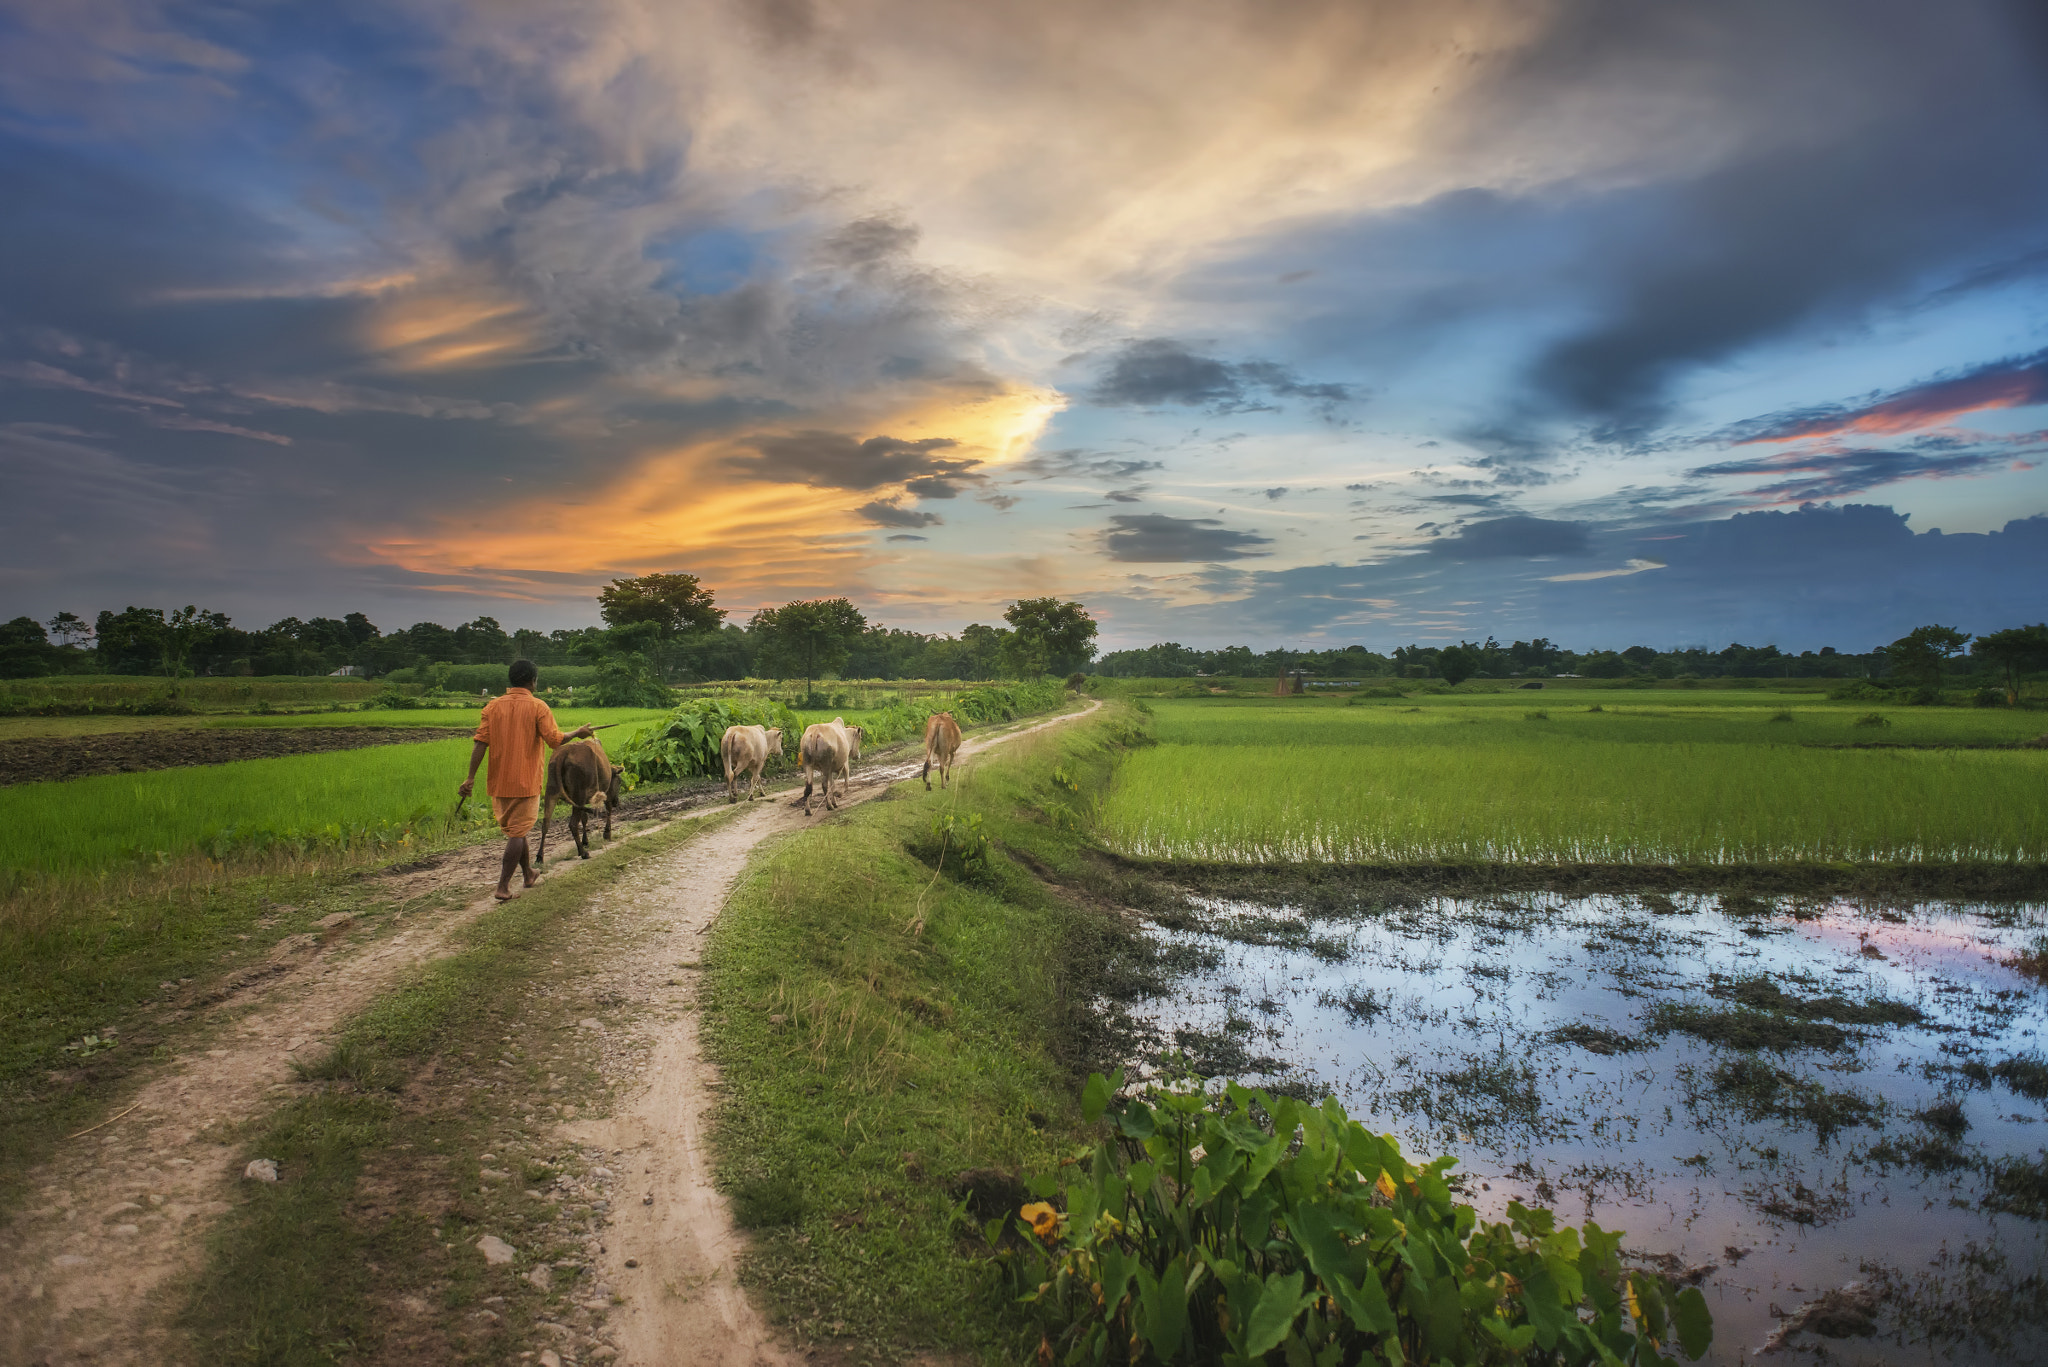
(119, 1216)
(117, 1220)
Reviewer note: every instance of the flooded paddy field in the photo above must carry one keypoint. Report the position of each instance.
(1831, 1115)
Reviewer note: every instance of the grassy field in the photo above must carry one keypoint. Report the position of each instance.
(386, 795)
(1579, 776)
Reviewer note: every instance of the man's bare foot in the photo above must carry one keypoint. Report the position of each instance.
(531, 879)
(505, 894)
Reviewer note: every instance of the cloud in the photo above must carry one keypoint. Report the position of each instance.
(2016, 382)
(1750, 234)
(1275, 494)
(1634, 566)
(1819, 475)
(834, 460)
(1503, 537)
(1154, 538)
(1149, 372)
(906, 536)
(885, 513)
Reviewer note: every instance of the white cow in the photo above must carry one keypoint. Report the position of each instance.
(828, 750)
(746, 750)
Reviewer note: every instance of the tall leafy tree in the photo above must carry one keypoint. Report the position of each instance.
(674, 604)
(70, 630)
(807, 639)
(2013, 652)
(1923, 653)
(1457, 663)
(183, 632)
(1050, 635)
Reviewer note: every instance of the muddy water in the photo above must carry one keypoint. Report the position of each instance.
(1588, 1054)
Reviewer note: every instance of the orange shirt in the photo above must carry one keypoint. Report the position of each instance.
(514, 726)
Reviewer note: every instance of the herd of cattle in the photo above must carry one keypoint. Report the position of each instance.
(581, 774)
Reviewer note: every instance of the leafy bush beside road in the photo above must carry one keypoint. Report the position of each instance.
(1194, 1235)
(684, 744)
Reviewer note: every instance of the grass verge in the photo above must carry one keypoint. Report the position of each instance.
(902, 1008)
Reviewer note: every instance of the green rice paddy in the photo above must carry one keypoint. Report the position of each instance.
(1541, 778)
(387, 795)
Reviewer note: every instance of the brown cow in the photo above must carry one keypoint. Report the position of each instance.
(745, 750)
(829, 748)
(580, 773)
(941, 743)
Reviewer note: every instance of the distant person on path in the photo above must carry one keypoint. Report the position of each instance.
(513, 729)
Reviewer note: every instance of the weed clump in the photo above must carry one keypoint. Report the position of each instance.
(1596, 1040)
(1745, 1029)
(2026, 1074)
(1761, 1091)
(2019, 1186)
(1872, 719)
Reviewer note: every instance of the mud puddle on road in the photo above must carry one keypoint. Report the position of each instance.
(1777, 1099)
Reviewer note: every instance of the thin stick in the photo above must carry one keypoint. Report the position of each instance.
(101, 1126)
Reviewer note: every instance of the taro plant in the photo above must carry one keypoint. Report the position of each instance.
(685, 742)
(1265, 1230)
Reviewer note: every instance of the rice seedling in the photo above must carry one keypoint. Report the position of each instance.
(1469, 781)
(387, 796)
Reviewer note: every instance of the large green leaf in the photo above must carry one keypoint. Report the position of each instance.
(1274, 1314)
(1695, 1325)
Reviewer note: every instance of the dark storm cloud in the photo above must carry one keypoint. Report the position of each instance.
(1154, 538)
(2017, 382)
(1828, 474)
(1152, 371)
(1902, 172)
(932, 486)
(834, 460)
(885, 513)
(1502, 537)
(1850, 577)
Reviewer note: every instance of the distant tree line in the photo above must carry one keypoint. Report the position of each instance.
(1925, 658)
(664, 629)
(658, 629)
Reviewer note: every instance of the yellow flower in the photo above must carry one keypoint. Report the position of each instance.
(1045, 1221)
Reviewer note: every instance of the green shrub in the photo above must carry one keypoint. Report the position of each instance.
(1872, 719)
(1279, 1231)
(684, 744)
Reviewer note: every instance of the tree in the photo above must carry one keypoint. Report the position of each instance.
(1063, 634)
(24, 649)
(676, 604)
(183, 632)
(806, 639)
(1457, 663)
(1922, 653)
(72, 631)
(2013, 652)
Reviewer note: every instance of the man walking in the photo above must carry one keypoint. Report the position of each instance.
(512, 730)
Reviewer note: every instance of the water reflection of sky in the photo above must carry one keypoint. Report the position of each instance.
(1642, 1140)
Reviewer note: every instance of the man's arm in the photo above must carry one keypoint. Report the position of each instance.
(552, 733)
(476, 757)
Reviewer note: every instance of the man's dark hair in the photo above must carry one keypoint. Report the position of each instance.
(524, 673)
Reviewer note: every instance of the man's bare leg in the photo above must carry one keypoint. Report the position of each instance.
(516, 861)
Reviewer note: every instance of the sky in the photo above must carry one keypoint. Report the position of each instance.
(1276, 322)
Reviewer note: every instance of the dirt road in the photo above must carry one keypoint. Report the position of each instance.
(90, 1269)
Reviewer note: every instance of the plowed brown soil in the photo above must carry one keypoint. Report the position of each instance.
(35, 759)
